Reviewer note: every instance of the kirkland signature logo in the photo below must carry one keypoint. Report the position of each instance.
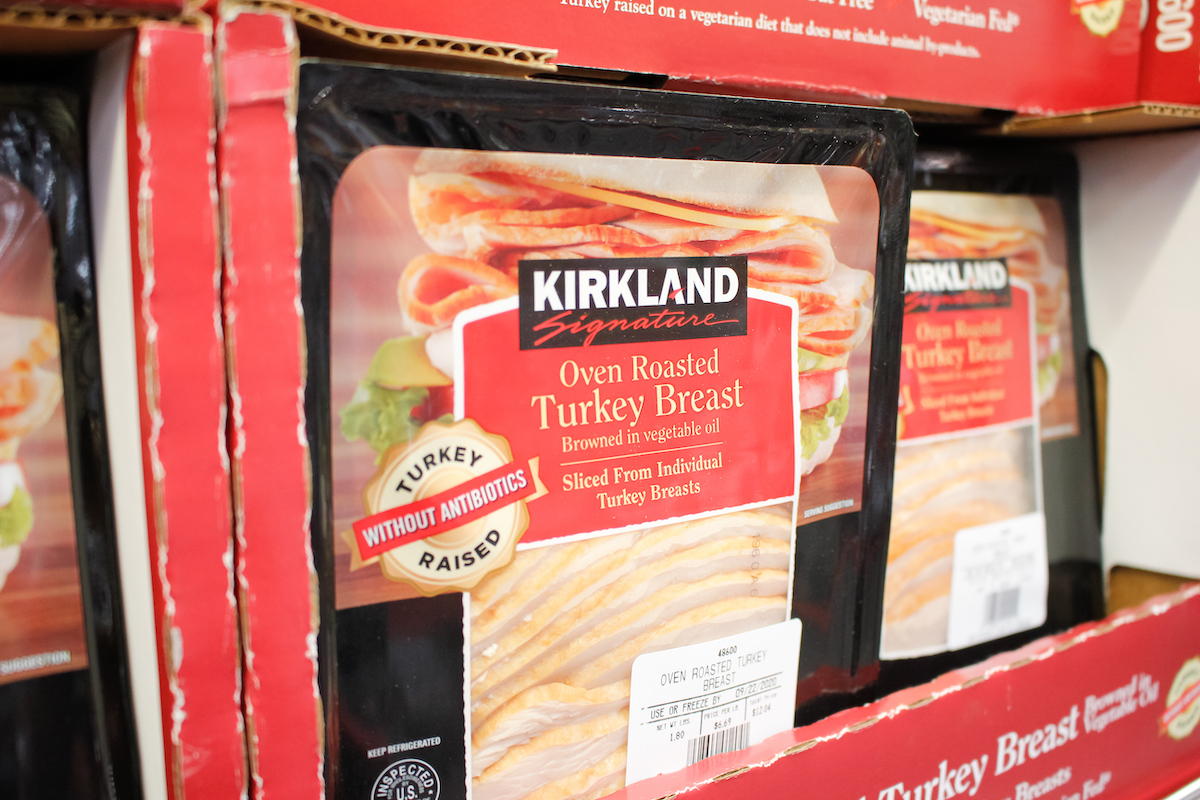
(597, 301)
(956, 283)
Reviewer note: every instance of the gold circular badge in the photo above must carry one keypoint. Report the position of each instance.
(1102, 18)
(1183, 701)
(446, 474)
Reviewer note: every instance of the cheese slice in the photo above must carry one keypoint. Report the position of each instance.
(667, 230)
(666, 208)
(977, 231)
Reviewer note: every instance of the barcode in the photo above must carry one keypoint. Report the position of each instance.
(1002, 605)
(725, 741)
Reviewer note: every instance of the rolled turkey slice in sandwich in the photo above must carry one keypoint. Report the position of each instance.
(969, 225)
(28, 393)
(497, 209)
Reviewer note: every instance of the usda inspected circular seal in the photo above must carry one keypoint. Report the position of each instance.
(407, 779)
(1183, 701)
(446, 509)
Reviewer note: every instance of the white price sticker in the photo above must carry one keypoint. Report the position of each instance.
(698, 701)
(999, 581)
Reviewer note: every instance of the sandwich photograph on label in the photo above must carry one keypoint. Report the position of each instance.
(29, 394)
(455, 225)
(40, 606)
(1028, 233)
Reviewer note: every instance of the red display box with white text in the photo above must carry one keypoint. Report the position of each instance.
(1030, 56)
(1108, 709)
(1170, 54)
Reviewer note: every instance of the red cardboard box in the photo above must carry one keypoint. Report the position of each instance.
(1108, 709)
(152, 177)
(264, 328)
(1170, 54)
(182, 403)
(1024, 55)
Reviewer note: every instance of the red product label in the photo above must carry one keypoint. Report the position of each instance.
(966, 368)
(634, 433)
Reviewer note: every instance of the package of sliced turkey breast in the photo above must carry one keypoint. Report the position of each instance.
(64, 686)
(971, 472)
(601, 402)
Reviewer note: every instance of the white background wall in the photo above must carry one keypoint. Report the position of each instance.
(1141, 270)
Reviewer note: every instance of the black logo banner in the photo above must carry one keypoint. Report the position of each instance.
(582, 302)
(956, 283)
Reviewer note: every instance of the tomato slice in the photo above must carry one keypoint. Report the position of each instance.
(1046, 345)
(439, 403)
(821, 387)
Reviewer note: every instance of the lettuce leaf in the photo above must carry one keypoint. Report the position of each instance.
(814, 429)
(816, 424)
(1048, 370)
(16, 518)
(382, 417)
(838, 409)
(808, 361)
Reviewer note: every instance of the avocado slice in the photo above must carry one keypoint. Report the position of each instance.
(16, 518)
(402, 363)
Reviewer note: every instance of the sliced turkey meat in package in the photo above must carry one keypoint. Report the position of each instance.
(582, 368)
